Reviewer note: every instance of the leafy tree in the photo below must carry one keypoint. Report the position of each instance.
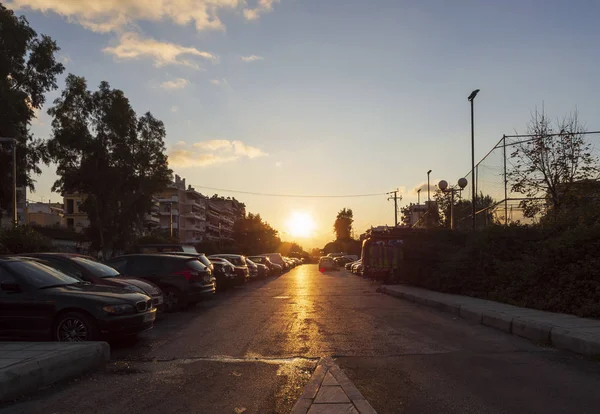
(545, 167)
(463, 210)
(254, 236)
(28, 70)
(343, 224)
(104, 151)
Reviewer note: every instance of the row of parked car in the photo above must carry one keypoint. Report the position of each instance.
(70, 297)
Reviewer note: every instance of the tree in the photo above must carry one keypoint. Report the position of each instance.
(343, 224)
(28, 70)
(254, 236)
(108, 154)
(463, 210)
(545, 167)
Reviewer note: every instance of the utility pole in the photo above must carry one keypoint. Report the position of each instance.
(395, 198)
(473, 177)
(14, 176)
(419, 197)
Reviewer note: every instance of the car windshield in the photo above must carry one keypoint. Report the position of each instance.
(39, 276)
(189, 249)
(95, 268)
(196, 265)
(236, 260)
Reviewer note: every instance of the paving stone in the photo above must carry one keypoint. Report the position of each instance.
(331, 394)
(364, 407)
(329, 380)
(332, 409)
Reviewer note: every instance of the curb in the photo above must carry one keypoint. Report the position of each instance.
(67, 362)
(577, 339)
(329, 375)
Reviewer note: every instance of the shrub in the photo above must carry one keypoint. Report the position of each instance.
(24, 239)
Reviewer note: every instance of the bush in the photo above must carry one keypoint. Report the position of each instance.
(524, 266)
(24, 239)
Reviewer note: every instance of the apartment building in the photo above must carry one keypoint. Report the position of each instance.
(184, 210)
(75, 219)
(45, 214)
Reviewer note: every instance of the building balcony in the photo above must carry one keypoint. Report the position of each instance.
(166, 227)
(172, 199)
(175, 212)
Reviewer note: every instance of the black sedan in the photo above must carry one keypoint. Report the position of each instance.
(37, 301)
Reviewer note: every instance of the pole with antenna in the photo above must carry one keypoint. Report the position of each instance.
(395, 198)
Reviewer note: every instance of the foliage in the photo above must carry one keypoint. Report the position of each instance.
(106, 153)
(28, 70)
(159, 237)
(545, 167)
(255, 236)
(463, 210)
(429, 219)
(291, 249)
(24, 239)
(524, 266)
(342, 226)
(350, 246)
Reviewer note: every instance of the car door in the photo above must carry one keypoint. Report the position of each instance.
(146, 267)
(23, 313)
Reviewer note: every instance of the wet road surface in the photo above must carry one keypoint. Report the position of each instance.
(252, 350)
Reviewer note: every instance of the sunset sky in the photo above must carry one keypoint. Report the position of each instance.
(327, 97)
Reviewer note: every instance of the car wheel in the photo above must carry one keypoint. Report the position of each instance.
(173, 300)
(74, 327)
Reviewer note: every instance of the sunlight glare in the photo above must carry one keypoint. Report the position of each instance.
(301, 224)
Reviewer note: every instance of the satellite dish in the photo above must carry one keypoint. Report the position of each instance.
(462, 182)
(443, 185)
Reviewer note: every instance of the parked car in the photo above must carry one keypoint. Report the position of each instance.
(224, 273)
(165, 248)
(327, 263)
(277, 258)
(274, 269)
(342, 260)
(252, 269)
(240, 266)
(357, 267)
(290, 264)
(200, 256)
(89, 270)
(263, 271)
(348, 265)
(183, 280)
(37, 300)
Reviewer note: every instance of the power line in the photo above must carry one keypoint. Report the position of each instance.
(288, 195)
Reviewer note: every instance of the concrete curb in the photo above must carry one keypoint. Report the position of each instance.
(330, 378)
(567, 332)
(51, 366)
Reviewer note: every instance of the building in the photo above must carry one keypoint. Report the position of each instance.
(184, 210)
(222, 213)
(45, 214)
(75, 219)
(152, 219)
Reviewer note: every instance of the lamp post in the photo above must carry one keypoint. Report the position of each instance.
(473, 196)
(443, 185)
(14, 176)
(428, 193)
(419, 197)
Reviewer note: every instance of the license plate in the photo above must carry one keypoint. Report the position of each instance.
(150, 317)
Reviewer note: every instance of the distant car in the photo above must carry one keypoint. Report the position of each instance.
(274, 269)
(37, 301)
(241, 267)
(263, 271)
(327, 263)
(224, 273)
(357, 267)
(200, 256)
(89, 270)
(348, 265)
(183, 280)
(277, 258)
(342, 260)
(334, 255)
(352, 257)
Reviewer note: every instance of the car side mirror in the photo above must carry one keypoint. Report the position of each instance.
(10, 287)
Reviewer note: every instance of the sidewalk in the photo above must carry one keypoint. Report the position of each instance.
(563, 331)
(329, 391)
(28, 366)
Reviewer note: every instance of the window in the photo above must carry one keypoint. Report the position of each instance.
(39, 275)
(6, 277)
(143, 266)
(119, 264)
(64, 267)
(96, 268)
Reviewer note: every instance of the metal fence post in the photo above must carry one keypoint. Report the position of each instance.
(505, 182)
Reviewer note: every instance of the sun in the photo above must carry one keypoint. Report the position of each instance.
(301, 224)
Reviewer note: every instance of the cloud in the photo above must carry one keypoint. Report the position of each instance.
(112, 15)
(216, 151)
(263, 6)
(251, 58)
(174, 108)
(278, 164)
(219, 82)
(423, 187)
(133, 46)
(178, 83)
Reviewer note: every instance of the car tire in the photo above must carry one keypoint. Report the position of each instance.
(74, 327)
(173, 300)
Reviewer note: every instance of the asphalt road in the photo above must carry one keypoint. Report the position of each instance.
(252, 350)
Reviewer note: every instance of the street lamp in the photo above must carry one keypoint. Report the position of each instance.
(419, 197)
(474, 196)
(14, 176)
(443, 185)
(428, 194)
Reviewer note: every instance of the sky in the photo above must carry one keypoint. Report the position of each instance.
(324, 97)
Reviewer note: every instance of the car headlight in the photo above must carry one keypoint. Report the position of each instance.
(118, 309)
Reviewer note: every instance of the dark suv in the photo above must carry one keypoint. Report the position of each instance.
(241, 267)
(183, 280)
